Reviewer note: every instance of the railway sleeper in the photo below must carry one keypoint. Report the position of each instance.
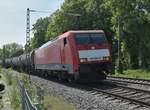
(120, 92)
(144, 97)
(125, 93)
(114, 91)
(134, 95)
(129, 94)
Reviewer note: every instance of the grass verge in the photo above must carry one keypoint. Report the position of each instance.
(56, 103)
(11, 90)
(139, 73)
(49, 102)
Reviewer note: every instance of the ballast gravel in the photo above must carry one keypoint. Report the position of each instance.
(136, 86)
(85, 100)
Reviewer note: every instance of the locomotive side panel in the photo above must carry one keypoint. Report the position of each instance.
(48, 57)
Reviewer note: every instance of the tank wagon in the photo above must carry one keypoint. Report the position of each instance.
(8, 63)
(73, 55)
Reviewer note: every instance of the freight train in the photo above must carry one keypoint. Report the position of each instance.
(74, 55)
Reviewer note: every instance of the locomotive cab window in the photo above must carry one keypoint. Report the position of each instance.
(90, 38)
(65, 41)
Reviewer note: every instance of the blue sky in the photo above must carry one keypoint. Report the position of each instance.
(13, 17)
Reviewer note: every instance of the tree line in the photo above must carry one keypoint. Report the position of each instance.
(126, 20)
(11, 50)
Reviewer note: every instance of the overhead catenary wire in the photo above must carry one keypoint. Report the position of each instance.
(39, 11)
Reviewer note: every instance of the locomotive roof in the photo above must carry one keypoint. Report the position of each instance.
(46, 44)
(79, 31)
(71, 31)
(86, 31)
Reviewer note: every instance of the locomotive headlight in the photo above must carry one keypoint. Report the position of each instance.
(106, 58)
(83, 59)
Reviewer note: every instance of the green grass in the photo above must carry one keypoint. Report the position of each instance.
(50, 102)
(139, 73)
(11, 88)
(15, 96)
(55, 103)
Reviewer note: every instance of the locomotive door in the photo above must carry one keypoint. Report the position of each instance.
(63, 51)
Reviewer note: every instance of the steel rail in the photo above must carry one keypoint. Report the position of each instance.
(139, 79)
(147, 84)
(123, 97)
(130, 80)
(123, 94)
(130, 88)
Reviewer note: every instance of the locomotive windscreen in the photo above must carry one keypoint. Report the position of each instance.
(90, 38)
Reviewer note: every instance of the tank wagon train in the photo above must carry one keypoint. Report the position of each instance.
(74, 55)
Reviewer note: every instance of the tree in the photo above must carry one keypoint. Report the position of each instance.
(93, 13)
(39, 31)
(1, 53)
(13, 49)
(135, 26)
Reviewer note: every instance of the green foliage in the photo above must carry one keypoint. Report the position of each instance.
(39, 31)
(134, 16)
(93, 16)
(15, 97)
(139, 73)
(28, 85)
(1, 53)
(11, 88)
(12, 50)
(52, 102)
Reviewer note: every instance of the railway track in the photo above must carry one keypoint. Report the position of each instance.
(129, 80)
(138, 97)
(135, 96)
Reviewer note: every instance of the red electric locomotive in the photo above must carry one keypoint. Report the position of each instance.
(76, 55)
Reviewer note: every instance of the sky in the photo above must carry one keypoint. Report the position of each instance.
(13, 17)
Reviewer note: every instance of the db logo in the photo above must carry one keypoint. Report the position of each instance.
(93, 47)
